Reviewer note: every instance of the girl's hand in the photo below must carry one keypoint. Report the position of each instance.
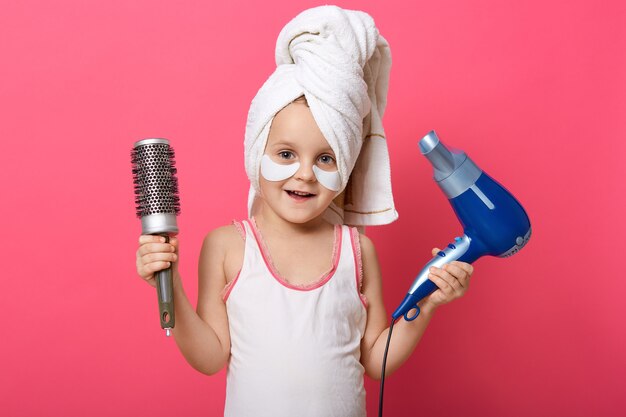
(155, 255)
(452, 280)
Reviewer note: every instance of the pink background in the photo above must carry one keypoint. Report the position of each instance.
(534, 91)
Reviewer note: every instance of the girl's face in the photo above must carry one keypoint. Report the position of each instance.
(295, 138)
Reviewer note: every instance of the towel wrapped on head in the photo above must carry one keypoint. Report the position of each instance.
(340, 63)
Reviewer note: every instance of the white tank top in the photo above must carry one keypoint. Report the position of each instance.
(295, 350)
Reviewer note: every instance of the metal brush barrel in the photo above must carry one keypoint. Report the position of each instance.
(158, 204)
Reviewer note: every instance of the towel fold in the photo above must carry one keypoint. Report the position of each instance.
(338, 60)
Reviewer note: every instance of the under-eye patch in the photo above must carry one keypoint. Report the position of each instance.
(329, 179)
(273, 171)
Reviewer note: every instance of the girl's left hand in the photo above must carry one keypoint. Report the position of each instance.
(452, 280)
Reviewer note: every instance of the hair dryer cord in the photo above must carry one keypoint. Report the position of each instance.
(382, 374)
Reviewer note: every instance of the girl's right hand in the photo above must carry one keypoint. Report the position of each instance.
(155, 255)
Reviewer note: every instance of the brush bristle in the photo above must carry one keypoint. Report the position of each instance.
(154, 176)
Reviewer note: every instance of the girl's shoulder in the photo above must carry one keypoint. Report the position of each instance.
(224, 239)
(366, 248)
(226, 244)
(227, 235)
(366, 243)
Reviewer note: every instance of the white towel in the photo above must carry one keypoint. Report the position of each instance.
(338, 60)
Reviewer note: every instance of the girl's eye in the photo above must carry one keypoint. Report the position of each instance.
(327, 159)
(285, 155)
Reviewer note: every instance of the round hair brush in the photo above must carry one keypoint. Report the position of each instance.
(156, 198)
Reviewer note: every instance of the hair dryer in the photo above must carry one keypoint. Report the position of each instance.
(493, 221)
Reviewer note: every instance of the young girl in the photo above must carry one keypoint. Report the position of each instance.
(291, 298)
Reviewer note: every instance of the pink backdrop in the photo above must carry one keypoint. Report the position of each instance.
(534, 91)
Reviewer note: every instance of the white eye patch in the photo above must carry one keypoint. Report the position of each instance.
(329, 179)
(273, 171)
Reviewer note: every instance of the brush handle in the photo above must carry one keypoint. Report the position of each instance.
(165, 293)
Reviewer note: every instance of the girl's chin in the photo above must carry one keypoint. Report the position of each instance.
(300, 215)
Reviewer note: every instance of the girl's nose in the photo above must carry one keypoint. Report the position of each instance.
(305, 172)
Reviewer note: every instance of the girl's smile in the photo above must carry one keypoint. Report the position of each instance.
(300, 196)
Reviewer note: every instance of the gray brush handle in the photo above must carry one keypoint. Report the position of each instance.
(165, 293)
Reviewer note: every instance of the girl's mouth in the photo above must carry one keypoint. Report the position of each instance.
(299, 195)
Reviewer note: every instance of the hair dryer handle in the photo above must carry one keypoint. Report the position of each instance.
(463, 249)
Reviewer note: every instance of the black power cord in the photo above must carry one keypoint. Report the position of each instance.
(382, 375)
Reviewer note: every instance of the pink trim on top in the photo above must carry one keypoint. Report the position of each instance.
(272, 269)
(229, 286)
(358, 263)
(240, 229)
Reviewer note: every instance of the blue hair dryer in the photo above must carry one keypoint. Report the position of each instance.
(493, 221)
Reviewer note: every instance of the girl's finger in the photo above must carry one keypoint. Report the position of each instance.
(157, 266)
(435, 251)
(442, 284)
(158, 257)
(464, 266)
(151, 239)
(452, 282)
(460, 274)
(174, 242)
(156, 248)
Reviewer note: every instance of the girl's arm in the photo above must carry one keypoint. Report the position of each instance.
(203, 336)
(452, 283)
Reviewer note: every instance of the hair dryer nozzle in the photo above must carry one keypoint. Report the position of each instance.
(444, 162)
(429, 142)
